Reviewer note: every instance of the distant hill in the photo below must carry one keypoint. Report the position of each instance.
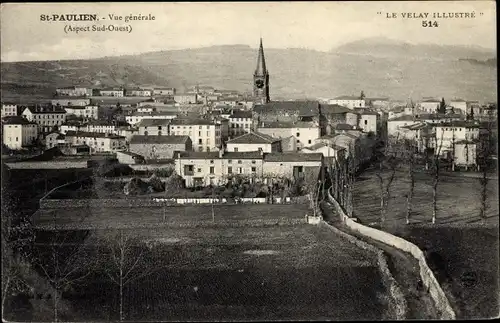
(377, 66)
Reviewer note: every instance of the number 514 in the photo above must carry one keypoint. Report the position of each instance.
(430, 24)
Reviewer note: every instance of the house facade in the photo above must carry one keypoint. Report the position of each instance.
(85, 112)
(304, 132)
(159, 147)
(69, 102)
(98, 142)
(254, 141)
(9, 110)
(186, 98)
(240, 122)
(118, 92)
(348, 101)
(164, 91)
(205, 134)
(136, 117)
(45, 117)
(216, 168)
(153, 127)
(74, 91)
(17, 132)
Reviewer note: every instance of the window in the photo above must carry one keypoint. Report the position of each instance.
(254, 169)
(200, 141)
(212, 170)
(298, 141)
(309, 141)
(229, 161)
(17, 138)
(145, 133)
(211, 162)
(239, 161)
(235, 149)
(159, 127)
(239, 170)
(366, 122)
(199, 133)
(253, 161)
(298, 134)
(208, 133)
(200, 148)
(159, 133)
(229, 170)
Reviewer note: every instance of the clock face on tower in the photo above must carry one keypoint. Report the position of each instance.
(259, 84)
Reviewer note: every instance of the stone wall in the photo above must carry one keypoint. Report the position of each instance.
(426, 274)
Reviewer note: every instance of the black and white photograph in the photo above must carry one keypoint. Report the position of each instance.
(249, 161)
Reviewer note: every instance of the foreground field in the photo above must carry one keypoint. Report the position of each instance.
(458, 200)
(283, 272)
(466, 263)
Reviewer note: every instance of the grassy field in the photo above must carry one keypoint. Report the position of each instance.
(89, 218)
(285, 272)
(458, 200)
(461, 249)
(465, 262)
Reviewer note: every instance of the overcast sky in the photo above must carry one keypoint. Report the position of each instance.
(314, 25)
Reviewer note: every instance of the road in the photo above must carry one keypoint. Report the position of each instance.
(403, 267)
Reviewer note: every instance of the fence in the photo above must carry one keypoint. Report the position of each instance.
(426, 274)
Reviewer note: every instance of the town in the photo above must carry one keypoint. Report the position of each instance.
(163, 163)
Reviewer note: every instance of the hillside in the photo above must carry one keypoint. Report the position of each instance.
(378, 67)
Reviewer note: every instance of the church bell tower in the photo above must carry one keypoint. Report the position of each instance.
(261, 78)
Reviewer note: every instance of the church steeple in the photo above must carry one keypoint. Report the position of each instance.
(261, 78)
(261, 62)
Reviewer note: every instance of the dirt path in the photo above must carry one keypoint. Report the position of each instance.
(403, 267)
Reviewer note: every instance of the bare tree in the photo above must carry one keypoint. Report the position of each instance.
(435, 172)
(125, 263)
(386, 172)
(64, 264)
(410, 161)
(17, 237)
(312, 185)
(485, 151)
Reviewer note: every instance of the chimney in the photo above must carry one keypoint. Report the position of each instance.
(221, 152)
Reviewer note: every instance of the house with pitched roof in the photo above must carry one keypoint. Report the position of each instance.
(46, 117)
(330, 151)
(153, 127)
(254, 141)
(159, 147)
(349, 101)
(334, 114)
(305, 132)
(216, 168)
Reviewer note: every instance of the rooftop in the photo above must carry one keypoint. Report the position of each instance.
(253, 138)
(293, 157)
(348, 97)
(241, 114)
(343, 126)
(153, 122)
(16, 120)
(323, 144)
(92, 134)
(302, 108)
(334, 109)
(40, 110)
(298, 124)
(403, 118)
(140, 139)
(190, 121)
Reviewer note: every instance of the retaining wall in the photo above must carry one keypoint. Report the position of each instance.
(426, 274)
(398, 305)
